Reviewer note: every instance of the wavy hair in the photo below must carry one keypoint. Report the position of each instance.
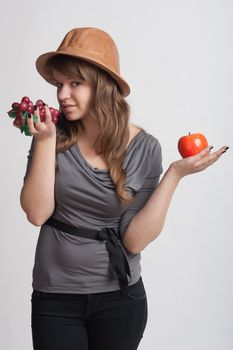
(109, 110)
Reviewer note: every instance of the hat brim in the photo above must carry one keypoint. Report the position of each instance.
(42, 60)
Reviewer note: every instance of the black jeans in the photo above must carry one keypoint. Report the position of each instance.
(98, 321)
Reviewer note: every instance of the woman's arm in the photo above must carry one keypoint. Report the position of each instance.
(148, 223)
(37, 194)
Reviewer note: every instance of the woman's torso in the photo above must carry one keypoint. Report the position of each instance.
(86, 197)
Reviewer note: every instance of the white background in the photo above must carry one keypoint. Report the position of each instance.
(177, 57)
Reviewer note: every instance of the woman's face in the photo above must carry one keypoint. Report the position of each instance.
(73, 96)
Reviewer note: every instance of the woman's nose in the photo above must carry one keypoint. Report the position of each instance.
(63, 93)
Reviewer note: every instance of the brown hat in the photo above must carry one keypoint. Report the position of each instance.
(92, 45)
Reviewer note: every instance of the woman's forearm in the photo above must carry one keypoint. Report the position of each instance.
(37, 195)
(147, 224)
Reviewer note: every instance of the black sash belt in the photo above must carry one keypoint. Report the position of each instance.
(118, 261)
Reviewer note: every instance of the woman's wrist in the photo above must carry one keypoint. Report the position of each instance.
(45, 140)
(173, 171)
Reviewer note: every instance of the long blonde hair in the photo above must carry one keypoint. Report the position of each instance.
(108, 108)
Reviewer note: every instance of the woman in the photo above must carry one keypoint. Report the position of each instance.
(92, 184)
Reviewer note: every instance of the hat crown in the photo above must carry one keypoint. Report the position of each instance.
(95, 42)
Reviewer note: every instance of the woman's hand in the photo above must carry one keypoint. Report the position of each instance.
(42, 130)
(196, 163)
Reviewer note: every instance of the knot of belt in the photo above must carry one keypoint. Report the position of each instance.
(118, 262)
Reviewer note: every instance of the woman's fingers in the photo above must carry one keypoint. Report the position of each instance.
(204, 159)
(48, 116)
(199, 162)
(205, 152)
(34, 123)
(41, 130)
(30, 123)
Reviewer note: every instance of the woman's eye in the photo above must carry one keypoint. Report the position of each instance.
(73, 83)
(57, 85)
(76, 83)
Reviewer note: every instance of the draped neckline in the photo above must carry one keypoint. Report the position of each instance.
(76, 146)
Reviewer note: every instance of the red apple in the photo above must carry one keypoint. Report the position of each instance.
(191, 144)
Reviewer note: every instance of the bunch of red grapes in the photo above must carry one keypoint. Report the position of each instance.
(21, 111)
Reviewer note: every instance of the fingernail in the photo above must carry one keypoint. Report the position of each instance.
(226, 148)
(211, 147)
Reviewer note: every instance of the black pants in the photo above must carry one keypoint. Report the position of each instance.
(99, 321)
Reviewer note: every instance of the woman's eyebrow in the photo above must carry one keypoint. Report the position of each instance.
(68, 78)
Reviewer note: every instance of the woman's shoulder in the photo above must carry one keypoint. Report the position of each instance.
(145, 150)
(144, 159)
(147, 139)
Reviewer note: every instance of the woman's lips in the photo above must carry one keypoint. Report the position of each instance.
(68, 108)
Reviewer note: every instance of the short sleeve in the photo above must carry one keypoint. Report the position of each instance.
(29, 158)
(144, 181)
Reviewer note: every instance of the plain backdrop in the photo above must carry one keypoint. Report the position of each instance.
(177, 57)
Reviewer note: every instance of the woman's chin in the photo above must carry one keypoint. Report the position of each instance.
(72, 116)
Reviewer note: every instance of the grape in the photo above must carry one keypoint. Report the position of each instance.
(30, 103)
(18, 114)
(30, 109)
(54, 119)
(25, 99)
(51, 110)
(15, 106)
(17, 122)
(55, 113)
(42, 115)
(39, 102)
(23, 106)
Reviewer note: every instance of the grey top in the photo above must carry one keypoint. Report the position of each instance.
(86, 197)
